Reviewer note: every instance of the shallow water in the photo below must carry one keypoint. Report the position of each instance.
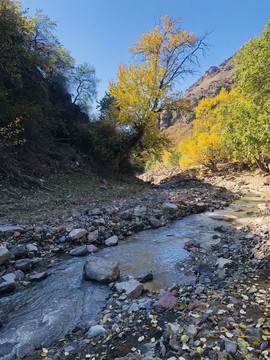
(48, 310)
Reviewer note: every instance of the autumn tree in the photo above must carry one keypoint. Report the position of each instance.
(246, 120)
(144, 89)
(204, 146)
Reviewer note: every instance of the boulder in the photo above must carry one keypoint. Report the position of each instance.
(132, 288)
(77, 234)
(5, 255)
(154, 222)
(227, 218)
(37, 276)
(99, 269)
(111, 241)
(169, 208)
(125, 215)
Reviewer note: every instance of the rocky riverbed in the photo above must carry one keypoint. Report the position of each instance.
(217, 309)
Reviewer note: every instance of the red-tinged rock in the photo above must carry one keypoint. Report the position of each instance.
(92, 236)
(193, 304)
(227, 218)
(166, 301)
(35, 276)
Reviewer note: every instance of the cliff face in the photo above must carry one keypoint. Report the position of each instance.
(209, 85)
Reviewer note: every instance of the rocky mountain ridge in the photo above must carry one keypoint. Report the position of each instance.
(208, 85)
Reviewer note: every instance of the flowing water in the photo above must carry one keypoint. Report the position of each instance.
(48, 310)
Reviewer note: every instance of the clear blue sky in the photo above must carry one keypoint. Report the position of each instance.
(100, 31)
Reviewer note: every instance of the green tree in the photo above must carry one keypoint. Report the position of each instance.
(143, 90)
(246, 120)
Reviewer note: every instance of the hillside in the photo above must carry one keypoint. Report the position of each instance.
(207, 85)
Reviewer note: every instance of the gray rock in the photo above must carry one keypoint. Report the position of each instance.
(133, 308)
(24, 350)
(9, 228)
(91, 248)
(139, 210)
(191, 244)
(32, 248)
(92, 236)
(145, 277)
(154, 222)
(77, 234)
(5, 255)
(99, 222)
(132, 288)
(125, 215)
(5, 349)
(187, 280)
(169, 208)
(95, 212)
(204, 268)
(23, 264)
(230, 346)
(79, 251)
(111, 241)
(7, 287)
(95, 331)
(101, 270)
(19, 252)
(9, 277)
(192, 331)
(221, 262)
(145, 304)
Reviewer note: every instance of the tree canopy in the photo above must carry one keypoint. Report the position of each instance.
(143, 90)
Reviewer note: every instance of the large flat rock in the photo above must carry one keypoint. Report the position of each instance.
(101, 270)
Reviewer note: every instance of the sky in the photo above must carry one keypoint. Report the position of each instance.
(101, 31)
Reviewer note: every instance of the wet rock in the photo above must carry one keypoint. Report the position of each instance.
(101, 270)
(5, 255)
(92, 236)
(191, 244)
(37, 276)
(23, 264)
(227, 218)
(145, 277)
(7, 287)
(24, 350)
(95, 331)
(79, 251)
(169, 208)
(166, 301)
(132, 288)
(77, 234)
(111, 241)
(19, 252)
(5, 349)
(187, 280)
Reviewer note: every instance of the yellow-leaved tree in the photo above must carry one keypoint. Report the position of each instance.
(144, 89)
(204, 146)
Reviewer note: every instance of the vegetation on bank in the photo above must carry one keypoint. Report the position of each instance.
(235, 125)
(46, 99)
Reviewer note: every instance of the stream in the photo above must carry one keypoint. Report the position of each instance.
(48, 310)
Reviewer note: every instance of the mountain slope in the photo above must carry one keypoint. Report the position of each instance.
(209, 85)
